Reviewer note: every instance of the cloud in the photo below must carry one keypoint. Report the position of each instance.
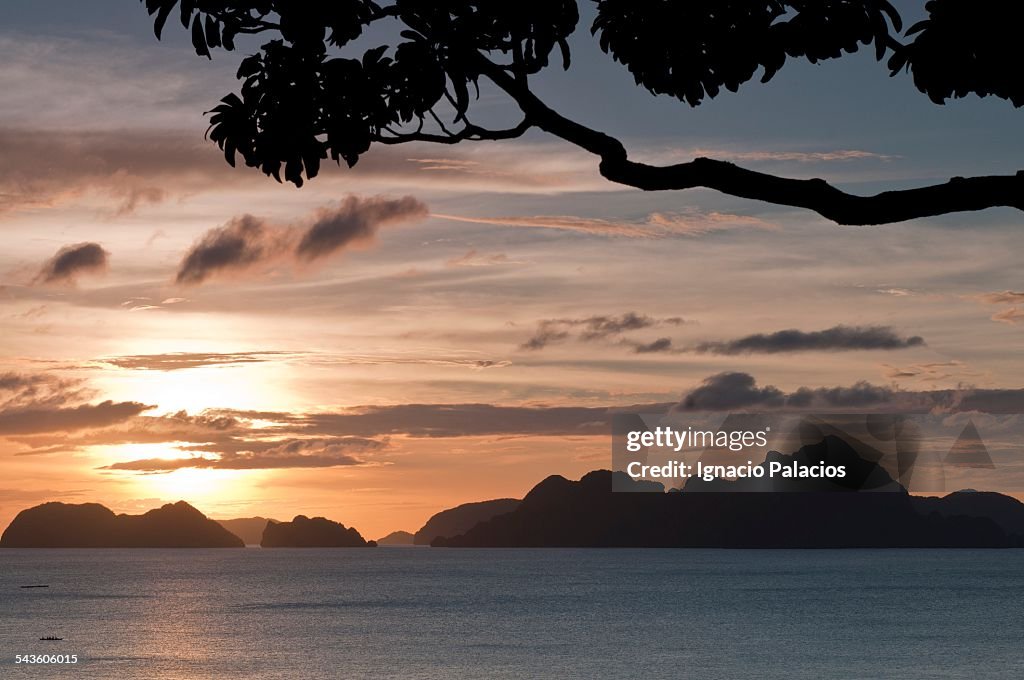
(859, 395)
(131, 169)
(481, 364)
(238, 439)
(836, 339)
(247, 242)
(36, 495)
(235, 440)
(593, 328)
(85, 416)
(654, 347)
(32, 404)
(456, 420)
(600, 328)
(790, 156)
(547, 334)
(402, 360)
(656, 225)
(929, 371)
(146, 304)
(731, 391)
(295, 453)
(176, 361)
(472, 258)
(1006, 297)
(356, 220)
(203, 428)
(241, 440)
(728, 391)
(239, 244)
(516, 166)
(986, 400)
(1012, 315)
(39, 390)
(72, 261)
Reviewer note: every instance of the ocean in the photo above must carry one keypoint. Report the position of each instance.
(514, 613)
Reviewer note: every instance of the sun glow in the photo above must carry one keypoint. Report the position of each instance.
(196, 486)
(203, 487)
(193, 390)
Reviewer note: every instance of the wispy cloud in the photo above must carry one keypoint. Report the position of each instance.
(130, 168)
(145, 304)
(655, 225)
(43, 403)
(176, 361)
(179, 361)
(71, 419)
(929, 371)
(791, 156)
(1010, 315)
(1013, 315)
(653, 347)
(295, 453)
(247, 243)
(39, 390)
(1006, 297)
(598, 327)
(474, 258)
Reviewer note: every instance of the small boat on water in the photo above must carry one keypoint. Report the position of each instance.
(51, 637)
(41, 585)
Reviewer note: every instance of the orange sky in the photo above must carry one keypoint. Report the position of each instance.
(513, 276)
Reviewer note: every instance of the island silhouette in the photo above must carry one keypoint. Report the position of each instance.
(396, 538)
(91, 525)
(316, 532)
(603, 509)
(871, 511)
(462, 518)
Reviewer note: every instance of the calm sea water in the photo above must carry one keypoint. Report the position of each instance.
(430, 613)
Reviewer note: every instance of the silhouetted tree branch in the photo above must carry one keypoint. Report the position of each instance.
(301, 102)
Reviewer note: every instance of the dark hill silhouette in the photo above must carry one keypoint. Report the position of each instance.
(91, 525)
(1005, 511)
(318, 532)
(861, 474)
(249, 529)
(559, 512)
(462, 518)
(396, 538)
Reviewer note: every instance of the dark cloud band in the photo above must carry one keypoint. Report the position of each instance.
(835, 339)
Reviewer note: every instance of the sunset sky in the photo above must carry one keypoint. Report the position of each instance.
(447, 324)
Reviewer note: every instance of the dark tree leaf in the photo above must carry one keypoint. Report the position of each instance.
(690, 50)
(966, 48)
(199, 38)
